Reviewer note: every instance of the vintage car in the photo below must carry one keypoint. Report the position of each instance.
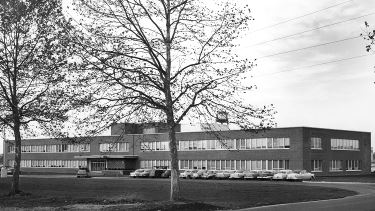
(210, 174)
(83, 173)
(156, 173)
(266, 175)
(145, 173)
(224, 174)
(187, 174)
(299, 175)
(239, 174)
(10, 170)
(136, 173)
(198, 174)
(251, 174)
(282, 174)
(166, 173)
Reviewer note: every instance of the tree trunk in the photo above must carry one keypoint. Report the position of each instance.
(17, 160)
(175, 183)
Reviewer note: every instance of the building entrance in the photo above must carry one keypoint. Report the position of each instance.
(98, 165)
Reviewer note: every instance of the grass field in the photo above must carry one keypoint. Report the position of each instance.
(361, 178)
(152, 194)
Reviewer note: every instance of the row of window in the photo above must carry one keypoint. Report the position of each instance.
(221, 164)
(242, 144)
(114, 147)
(336, 144)
(344, 144)
(51, 163)
(261, 143)
(52, 148)
(336, 165)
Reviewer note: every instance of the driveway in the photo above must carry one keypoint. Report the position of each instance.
(365, 200)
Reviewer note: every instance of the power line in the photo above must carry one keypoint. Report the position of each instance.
(310, 30)
(319, 64)
(308, 47)
(298, 17)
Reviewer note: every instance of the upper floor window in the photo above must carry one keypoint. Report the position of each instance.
(344, 144)
(316, 143)
(114, 147)
(155, 146)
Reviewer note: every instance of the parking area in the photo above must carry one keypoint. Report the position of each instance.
(284, 174)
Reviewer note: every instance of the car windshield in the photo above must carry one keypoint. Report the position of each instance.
(139, 170)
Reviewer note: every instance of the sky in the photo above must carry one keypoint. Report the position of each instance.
(337, 95)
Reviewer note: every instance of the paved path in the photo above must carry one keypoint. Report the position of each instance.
(365, 200)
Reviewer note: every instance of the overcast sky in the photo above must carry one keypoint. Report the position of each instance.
(338, 95)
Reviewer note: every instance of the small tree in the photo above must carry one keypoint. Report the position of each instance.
(32, 54)
(163, 61)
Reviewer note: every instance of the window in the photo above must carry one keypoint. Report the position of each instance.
(316, 165)
(149, 146)
(335, 165)
(353, 165)
(242, 143)
(344, 144)
(112, 147)
(316, 143)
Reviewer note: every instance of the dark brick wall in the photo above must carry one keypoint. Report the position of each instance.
(326, 154)
(299, 155)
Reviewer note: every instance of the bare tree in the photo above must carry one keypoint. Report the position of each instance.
(32, 53)
(163, 61)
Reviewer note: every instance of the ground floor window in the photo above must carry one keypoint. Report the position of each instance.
(51, 163)
(150, 164)
(353, 165)
(335, 165)
(221, 164)
(317, 165)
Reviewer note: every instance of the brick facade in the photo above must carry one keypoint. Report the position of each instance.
(299, 154)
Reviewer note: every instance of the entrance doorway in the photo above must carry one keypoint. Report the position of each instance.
(98, 165)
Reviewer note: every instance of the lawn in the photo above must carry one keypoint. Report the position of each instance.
(360, 178)
(152, 194)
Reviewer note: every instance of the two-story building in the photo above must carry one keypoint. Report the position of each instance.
(130, 146)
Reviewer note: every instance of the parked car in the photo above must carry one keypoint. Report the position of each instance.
(266, 175)
(299, 175)
(145, 173)
(282, 174)
(187, 174)
(198, 174)
(210, 174)
(166, 173)
(83, 173)
(239, 174)
(156, 173)
(251, 174)
(10, 170)
(136, 173)
(224, 174)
